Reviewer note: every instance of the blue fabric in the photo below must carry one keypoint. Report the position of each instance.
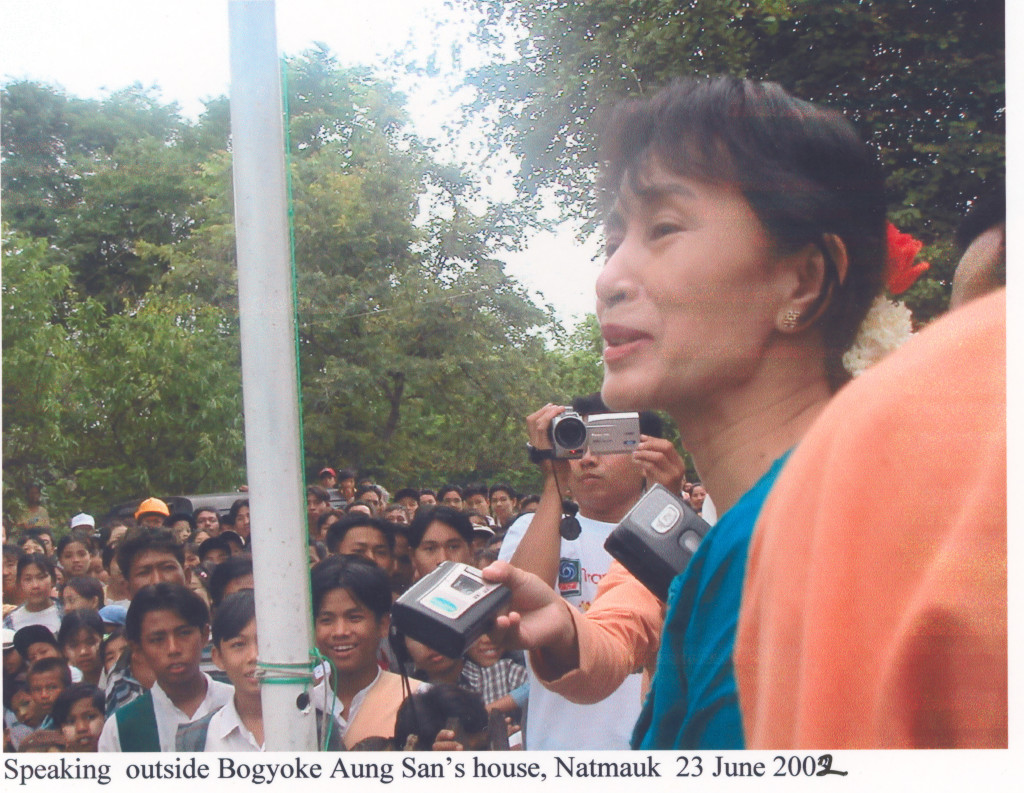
(693, 703)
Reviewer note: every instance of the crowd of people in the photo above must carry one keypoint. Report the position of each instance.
(747, 243)
(80, 612)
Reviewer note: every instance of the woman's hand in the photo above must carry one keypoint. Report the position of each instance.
(538, 619)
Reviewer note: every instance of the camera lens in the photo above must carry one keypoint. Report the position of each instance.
(570, 433)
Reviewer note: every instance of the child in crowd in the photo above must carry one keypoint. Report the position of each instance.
(36, 578)
(426, 713)
(74, 552)
(80, 638)
(19, 712)
(78, 713)
(238, 726)
(493, 675)
(82, 592)
(116, 590)
(112, 647)
(46, 678)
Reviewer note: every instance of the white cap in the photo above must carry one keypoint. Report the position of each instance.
(82, 519)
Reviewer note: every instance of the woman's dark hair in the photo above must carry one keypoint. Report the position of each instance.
(233, 512)
(75, 537)
(40, 561)
(233, 614)
(227, 571)
(87, 587)
(70, 695)
(459, 521)
(425, 713)
(164, 597)
(74, 621)
(365, 582)
(803, 169)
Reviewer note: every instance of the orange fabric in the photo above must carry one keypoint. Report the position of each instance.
(874, 609)
(377, 713)
(618, 635)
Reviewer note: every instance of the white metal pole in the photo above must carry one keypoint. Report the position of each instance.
(269, 368)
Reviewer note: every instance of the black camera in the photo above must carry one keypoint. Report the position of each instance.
(657, 538)
(603, 433)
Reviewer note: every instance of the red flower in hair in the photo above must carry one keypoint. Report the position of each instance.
(900, 270)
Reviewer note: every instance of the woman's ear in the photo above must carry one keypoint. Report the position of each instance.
(815, 271)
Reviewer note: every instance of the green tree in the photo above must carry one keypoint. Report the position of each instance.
(923, 79)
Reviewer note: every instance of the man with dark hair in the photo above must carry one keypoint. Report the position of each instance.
(503, 504)
(168, 625)
(427, 498)
(363, 535)
(408, 497)
(347, 483)
(232, 575)
(35, 515)
(318, 501)
(475, 497)
(606, 487)
(437, 535)
(351, 616)
(207, 519)
(146, 556)
(328, 478)
(450, 496)
(151, 556)
(370, 494)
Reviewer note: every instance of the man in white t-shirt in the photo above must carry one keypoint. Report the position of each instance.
(605, 487)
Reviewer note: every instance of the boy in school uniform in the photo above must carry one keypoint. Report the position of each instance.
(167, 625)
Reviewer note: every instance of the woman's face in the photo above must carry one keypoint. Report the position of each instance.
(688, 295)
(74, 600)
(83, 651)
(35, 586)
(697, 496)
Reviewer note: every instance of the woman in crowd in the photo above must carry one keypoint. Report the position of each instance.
(745, 243)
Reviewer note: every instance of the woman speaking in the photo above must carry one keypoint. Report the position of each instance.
(745, 244)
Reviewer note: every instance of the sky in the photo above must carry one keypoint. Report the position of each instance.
(90, 48)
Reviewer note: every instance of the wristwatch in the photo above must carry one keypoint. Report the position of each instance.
(537, 456)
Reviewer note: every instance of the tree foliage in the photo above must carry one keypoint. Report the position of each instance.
(924, 80)
(419, 355)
